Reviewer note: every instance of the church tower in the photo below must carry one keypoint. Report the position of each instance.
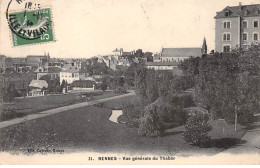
(204, 47)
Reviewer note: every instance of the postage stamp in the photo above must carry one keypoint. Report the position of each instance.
(31, 25)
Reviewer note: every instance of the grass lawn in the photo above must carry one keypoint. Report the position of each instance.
(36, 104)
(89, 129)
(118, 103)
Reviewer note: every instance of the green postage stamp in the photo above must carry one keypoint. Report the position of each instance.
(31, 26)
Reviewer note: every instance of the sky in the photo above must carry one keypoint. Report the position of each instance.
(83, 29)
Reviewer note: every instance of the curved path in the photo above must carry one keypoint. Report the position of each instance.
(59, 110)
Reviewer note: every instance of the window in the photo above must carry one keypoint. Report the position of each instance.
(245, 25)
(227, 25)
(226, 48)
(256, 23)
(255, 36)
(226, 37)
(244, 36)
(227, 13)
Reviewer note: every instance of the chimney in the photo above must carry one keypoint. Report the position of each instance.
(240, 6)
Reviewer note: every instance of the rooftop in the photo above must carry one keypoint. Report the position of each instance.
(38, 84)
(236, 11)
(181, 52)
(50, 70)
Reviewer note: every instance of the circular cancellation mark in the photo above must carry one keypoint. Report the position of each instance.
(31, 22)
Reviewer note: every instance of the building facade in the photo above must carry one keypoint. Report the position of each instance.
(161, 65)
(237, 27)
(52, 72)
(69, 74)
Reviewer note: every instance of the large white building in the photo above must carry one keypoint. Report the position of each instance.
(70, 74)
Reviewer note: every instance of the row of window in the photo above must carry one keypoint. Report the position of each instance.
(71, 75)
(227, 47)
(227, 36)
(227, 24)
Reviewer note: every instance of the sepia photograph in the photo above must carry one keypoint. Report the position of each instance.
(130, 82)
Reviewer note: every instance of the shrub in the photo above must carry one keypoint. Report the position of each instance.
(151, 124)
(197, 126)
(103, 86)
(120, 89)
(171, 110)
(7, 113)
(133, 112)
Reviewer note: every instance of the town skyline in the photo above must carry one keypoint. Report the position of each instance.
(148, 25)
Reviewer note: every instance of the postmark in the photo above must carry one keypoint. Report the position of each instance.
(30, 22)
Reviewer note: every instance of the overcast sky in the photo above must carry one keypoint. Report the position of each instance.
(90, 27)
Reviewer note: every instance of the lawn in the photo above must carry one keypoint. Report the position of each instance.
(31, 105)
(89, 129)
(118, 103)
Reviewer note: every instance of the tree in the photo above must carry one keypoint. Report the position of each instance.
(53, 84)
(197, 127)
(152, 86)
(9, 94)
(229, 80)
(148, 56)
(47, 78)
(62, 85)
(151, 124)
(139, 53)
(165, 84)
(140, 82)
(103, 85)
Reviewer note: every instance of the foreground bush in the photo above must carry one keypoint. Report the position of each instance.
(171, 109)
(197, 127)
(133, 112)
(151, 124)
(121, 89)
(7, 113)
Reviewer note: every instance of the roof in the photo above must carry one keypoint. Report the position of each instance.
(38, 84)
(181, 52)
(113, 59)
(9, 71)
(156, 56)
(37, 56)
(127, 53)
(19, 60)
(161, 64)
(70, 68)
(50, 70)
(25, 69)
(236, 11)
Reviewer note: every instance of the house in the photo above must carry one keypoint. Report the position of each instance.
(70, 73)
(237, 27)
(37, 88)
(120, 52)
(52, 72)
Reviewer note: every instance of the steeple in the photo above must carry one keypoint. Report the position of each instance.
(204, 47)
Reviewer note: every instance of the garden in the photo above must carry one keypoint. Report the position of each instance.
(225, 98)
